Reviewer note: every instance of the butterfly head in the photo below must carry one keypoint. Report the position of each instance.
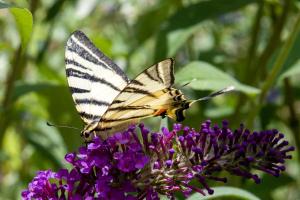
(88, 132)
(177, 106)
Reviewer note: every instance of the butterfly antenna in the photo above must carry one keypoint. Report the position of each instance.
(185, 84)
(62, 126)
(214, 94)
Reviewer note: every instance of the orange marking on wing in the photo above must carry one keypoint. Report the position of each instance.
(160, 112)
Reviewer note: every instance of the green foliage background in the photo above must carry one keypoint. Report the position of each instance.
(253, 45)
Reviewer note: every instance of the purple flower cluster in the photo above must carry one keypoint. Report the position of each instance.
(138, 164)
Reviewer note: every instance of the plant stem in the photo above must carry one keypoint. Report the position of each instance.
(293, 120)
(17, 64)
(278, 64)
(251, 54)
(261, 64)
(254, 36)
(280, 59)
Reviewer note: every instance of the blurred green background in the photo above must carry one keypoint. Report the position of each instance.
(253, 45)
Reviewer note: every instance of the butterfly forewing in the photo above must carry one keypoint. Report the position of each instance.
(94, 80)
(144, 96)
(155, 78)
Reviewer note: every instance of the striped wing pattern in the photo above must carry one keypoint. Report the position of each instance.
(145, 96)
(94, 80)
(105, 98)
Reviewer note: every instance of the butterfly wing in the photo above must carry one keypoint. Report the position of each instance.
(149, 94)
(157, 77)
(94, 80)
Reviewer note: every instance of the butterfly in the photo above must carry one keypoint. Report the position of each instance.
(107, 101)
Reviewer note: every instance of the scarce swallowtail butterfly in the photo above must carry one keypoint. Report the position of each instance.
(108, 101)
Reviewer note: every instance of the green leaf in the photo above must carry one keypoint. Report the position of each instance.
(23, 18)
(204, 76)
(58, 104)
(263, 190)
(195, 13)
(149, 21)
(24, 22)
(178, 38)
(48, 144)
(225, 192)
(190, 16)
(61, 111)
(292, 71)
(23, 89)
(293, 56)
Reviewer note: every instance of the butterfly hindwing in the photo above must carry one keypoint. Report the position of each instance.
(94, 80)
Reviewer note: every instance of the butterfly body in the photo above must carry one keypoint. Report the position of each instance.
(108, 101)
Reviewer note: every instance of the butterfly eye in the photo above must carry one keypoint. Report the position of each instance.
(185, 105)
(87, 134)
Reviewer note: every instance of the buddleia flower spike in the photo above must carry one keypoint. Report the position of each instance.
(126, 166)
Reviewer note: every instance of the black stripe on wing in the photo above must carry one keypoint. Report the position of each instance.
(78, 90)
(73, 62)
(129, 108)
(137, 91)
(89, 116)
(158, 73)
(92, 101)
(150, 76)
(118, 101)
(103, 129)
(81, 52)
(172, 72)
(86, 42)
(79, 74)
(136, 82)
